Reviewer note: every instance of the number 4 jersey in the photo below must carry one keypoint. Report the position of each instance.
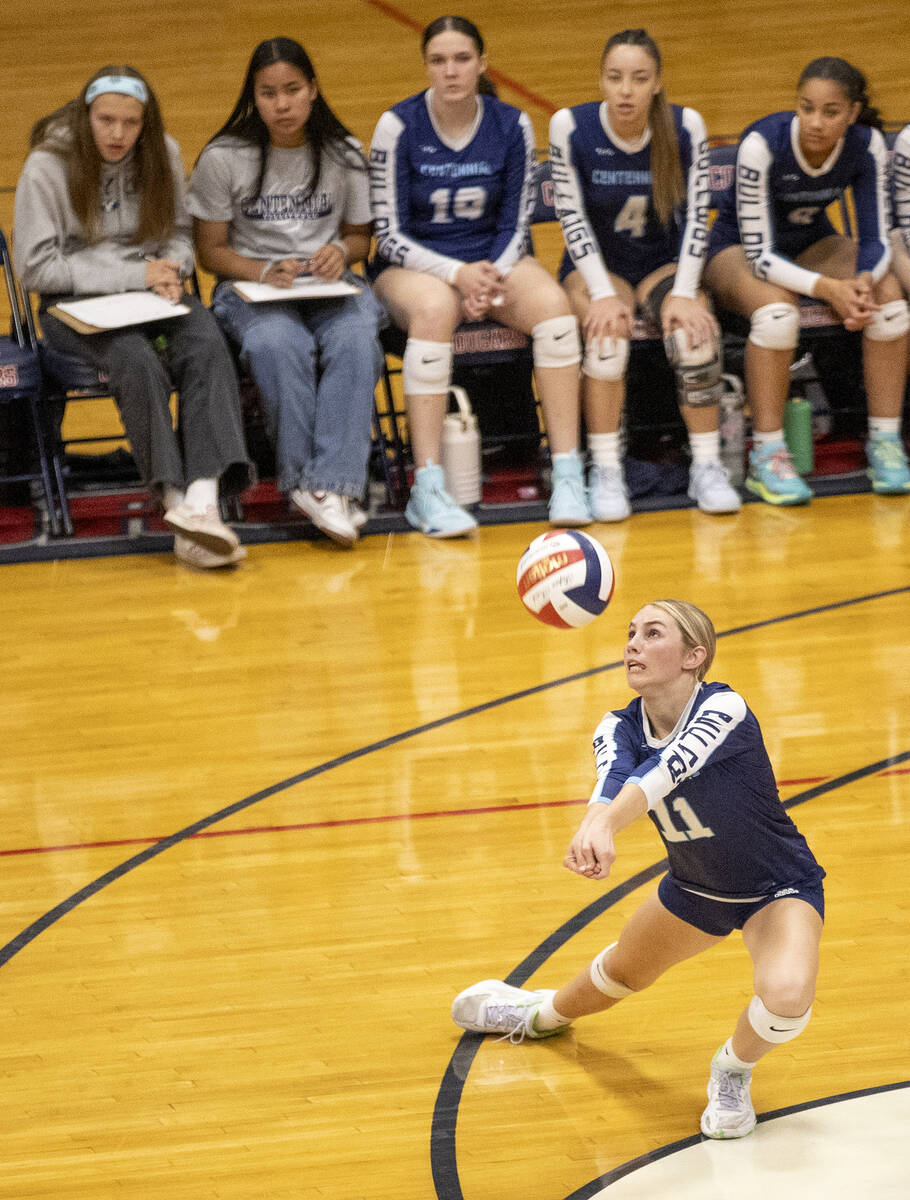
(603, 191)
(711, 793)
(438, 203)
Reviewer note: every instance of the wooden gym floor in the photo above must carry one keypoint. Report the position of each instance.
(257, 829)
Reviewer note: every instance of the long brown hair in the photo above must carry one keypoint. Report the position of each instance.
(667, 187)
(68, 134)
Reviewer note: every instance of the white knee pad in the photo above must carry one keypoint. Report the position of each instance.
(776, 1029)
(603, 982)
(606, 358)
(775, 326)
(556, 342)
(426, 367)
(890, 322)
(698, 369)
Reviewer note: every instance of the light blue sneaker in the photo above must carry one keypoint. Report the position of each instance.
(888, 467)
(773, 478)
(432, 510)
(568, 494)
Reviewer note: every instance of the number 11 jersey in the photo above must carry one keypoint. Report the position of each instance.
(711, 794)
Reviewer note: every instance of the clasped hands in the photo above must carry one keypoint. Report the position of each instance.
(481, 287)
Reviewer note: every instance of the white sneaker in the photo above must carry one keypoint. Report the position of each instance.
(608, 494)
(191, 554)
(357, 515)
(710, 488)
(206, 528)
(329, 512)
(496, 1007)
(729, 1113)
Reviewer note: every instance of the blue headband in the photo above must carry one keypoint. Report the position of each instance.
(125, 85)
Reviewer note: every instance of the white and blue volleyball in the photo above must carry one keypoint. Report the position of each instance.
(565, 578)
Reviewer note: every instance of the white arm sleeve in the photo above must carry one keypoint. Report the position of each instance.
(756, 220)
(570, 208)
(900, 172)
(390, 207)
(698, 201)
(689, 751)
(518, 213)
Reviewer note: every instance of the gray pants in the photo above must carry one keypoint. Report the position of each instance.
(195, 361)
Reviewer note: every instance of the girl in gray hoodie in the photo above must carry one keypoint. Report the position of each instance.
(100, 210)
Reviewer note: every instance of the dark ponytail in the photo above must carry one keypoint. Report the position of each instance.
(485, 84)
(668, 190)
(850, 79)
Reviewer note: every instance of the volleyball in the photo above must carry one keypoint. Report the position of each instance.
(565, 578)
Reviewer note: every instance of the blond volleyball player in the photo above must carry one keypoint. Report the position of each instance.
(690, 754)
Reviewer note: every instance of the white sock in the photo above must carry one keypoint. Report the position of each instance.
(202, 494)
(705, 447)
(884, 425)
(566, 456)
(767, 439)
(172, 496)
(605, 449)
(547, 1017)
(728, 1060)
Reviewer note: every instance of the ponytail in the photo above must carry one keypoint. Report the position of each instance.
(668, 190)
(852, 82)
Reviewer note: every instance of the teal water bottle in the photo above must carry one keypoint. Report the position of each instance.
(798, 434)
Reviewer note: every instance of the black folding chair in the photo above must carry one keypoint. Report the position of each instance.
(21, 385)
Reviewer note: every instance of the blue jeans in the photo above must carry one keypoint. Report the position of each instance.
(316, 364)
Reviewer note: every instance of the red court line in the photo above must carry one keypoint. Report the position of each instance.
(386, 818)
(402, 18)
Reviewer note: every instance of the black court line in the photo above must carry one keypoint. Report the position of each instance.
(591, 1189)
(443, 1156)
(53, 915)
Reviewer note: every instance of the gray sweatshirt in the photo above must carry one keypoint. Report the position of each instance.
(49, 246)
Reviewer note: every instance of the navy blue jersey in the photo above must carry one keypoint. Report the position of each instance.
(437, 203)
(711, 794)
(777, 208)
(603, 194)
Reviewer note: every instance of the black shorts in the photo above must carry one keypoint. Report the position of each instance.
(720, 917)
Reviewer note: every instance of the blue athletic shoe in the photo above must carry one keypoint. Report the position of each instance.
(568, 494)
(888, 467)
(432, 510)
(772, 477)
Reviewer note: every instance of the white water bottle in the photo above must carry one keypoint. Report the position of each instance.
(733, 430)
(461, 451)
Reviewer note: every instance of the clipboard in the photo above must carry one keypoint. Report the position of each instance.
(305, 287)
(119, 310)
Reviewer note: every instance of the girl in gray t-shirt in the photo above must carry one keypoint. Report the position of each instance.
(281, 191)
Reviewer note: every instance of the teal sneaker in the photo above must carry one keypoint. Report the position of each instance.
(772, 477)
(496, 1007)
(568, 495)
(729, 1113)
(432, 510)
(888, 467)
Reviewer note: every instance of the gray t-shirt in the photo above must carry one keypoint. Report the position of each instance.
(282, 222)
